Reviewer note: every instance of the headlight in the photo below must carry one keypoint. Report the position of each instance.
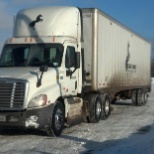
(37, 101)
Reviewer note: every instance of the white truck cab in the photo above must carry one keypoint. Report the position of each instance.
(40, 65)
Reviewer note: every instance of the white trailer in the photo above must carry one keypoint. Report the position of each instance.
(64, 64)
(115, 56)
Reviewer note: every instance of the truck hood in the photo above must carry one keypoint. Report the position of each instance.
(30, 74)
(48, 85)
(18, 72)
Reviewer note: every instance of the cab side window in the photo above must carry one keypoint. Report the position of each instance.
(70, 57)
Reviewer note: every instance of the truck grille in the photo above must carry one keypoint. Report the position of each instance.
(12, 94)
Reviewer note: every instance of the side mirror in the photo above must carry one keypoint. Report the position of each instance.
(77, 60)
(43, 68)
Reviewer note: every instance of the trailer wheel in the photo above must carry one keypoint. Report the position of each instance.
(106, 107)
(134, 97)
(95, 109)
(57, 123)
(140, 97)
(145, 97)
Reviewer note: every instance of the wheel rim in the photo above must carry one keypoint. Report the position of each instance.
(143, 98)
(107, 106)
(98, 109)
(59, 119)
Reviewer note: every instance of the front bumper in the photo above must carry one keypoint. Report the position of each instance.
(39, 118)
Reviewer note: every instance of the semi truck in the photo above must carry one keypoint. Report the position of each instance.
(64, 64)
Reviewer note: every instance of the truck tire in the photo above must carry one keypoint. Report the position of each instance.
(140, 97)
(106, 106)
(58, 118)
(95, 108)
(134, 97)
(145, 96)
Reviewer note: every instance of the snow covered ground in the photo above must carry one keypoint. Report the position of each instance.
(129, 130)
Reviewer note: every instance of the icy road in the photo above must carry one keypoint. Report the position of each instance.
(129, 130)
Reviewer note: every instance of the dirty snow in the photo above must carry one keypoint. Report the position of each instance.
(129, 129)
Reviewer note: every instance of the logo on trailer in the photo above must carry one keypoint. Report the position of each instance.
(33, 23)
(128, 56)
(128, 65)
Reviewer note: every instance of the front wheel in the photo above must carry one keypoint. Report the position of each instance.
(57, 123)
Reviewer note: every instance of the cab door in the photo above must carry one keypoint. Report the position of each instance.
(71, 73)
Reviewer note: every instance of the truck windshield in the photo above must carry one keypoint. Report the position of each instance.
(18, 55)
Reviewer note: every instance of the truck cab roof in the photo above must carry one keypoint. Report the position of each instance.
(47, 21)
